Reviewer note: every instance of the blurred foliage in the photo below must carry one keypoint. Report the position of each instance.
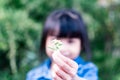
(20, 31)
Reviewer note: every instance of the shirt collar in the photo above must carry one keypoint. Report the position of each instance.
(79, 60)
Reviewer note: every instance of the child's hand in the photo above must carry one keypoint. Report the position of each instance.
(66, 68)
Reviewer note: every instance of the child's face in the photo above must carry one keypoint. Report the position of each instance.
(71, 46)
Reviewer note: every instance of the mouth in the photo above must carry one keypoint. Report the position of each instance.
(66, 54)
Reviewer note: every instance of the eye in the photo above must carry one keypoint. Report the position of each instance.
(70, 41)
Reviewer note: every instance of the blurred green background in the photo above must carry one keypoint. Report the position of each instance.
(21, 23)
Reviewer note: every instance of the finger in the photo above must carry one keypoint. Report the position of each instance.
(71, 71)
(56, 77)
(62, 74)
(55, 67)
(59, 62)
(69, 61)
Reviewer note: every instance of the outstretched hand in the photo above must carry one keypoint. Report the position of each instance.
(64, 68)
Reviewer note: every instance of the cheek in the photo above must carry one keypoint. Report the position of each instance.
(75, 50)
(48, 51)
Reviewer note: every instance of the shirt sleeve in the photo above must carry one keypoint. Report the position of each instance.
(29, 75)
(88, 71)
(32, 75)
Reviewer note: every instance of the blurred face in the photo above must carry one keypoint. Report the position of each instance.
(71, 46)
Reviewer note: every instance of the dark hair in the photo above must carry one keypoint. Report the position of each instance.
(70, 25)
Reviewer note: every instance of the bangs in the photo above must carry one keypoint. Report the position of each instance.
(69, 28)
(52, 28)
(64, 27)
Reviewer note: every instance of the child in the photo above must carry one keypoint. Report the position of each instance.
(66, 64)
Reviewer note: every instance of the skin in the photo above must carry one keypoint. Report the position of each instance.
(63, 67)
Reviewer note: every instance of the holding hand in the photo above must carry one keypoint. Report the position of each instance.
(66, 68)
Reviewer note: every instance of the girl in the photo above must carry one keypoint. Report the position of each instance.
(68, 27)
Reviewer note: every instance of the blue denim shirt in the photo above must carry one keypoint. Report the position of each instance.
(86, 70)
